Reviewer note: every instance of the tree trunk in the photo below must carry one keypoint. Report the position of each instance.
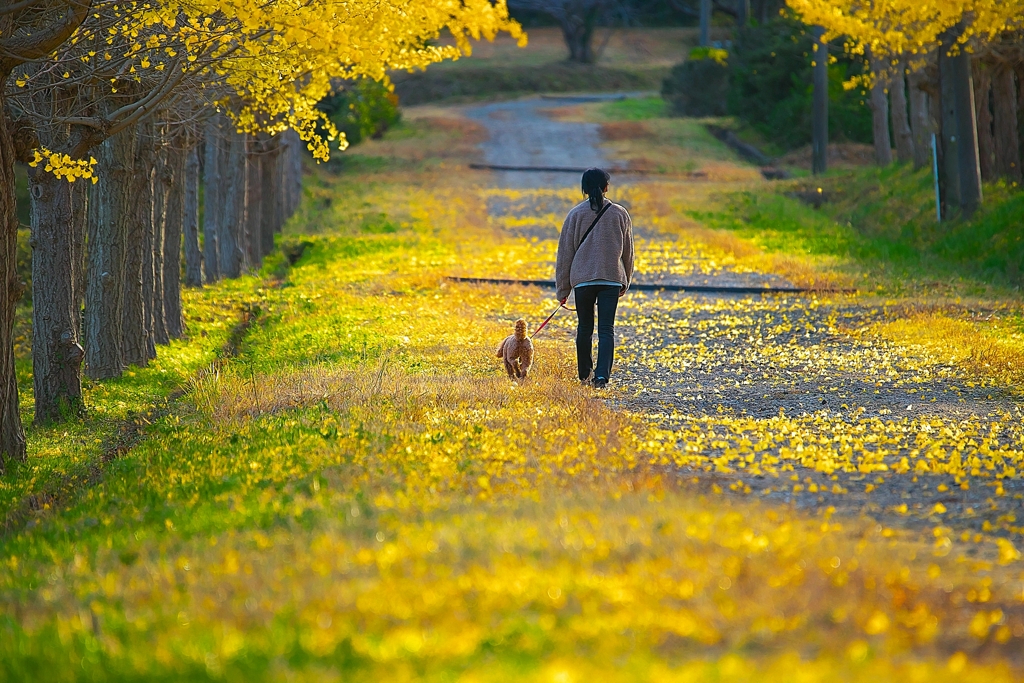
(213, 198)
(254, 201)
(705, 23)
(280, 187)
(162, 182)
(762, 12)
(578, 32)
(880, 116)
(134, 325)
(292, 172)
(967, 134)
(950, 169)
(983, 112)
(900, 118)
(56, 354)
(742, 12)
(12, 435)
(190, 223)
(109, 217)
(1007, 140)
(174, 207)
(56, 310)
(920, 121)
(270, 183)
(79, 226)
(234, 204)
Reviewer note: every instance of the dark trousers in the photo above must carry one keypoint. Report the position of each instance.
(606, 299)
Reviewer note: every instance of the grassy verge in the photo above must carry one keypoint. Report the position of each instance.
(957, 282)
(65, 458)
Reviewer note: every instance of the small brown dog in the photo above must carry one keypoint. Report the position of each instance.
(517, 351)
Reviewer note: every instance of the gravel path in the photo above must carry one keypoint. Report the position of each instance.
(783, 397)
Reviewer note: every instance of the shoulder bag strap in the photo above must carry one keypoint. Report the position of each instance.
(591, 228)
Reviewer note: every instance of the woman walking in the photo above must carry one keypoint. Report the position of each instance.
(595, 259)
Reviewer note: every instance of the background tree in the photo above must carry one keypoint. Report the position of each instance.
(578, 20)
(28, 31)
(907, 30)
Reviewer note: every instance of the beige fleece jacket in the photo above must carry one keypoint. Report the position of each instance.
(606, 255)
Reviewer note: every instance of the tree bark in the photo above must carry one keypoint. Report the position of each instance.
(280, 188)
(79, 226)
(270, 183)
(162, 183)
(174, 208)
(900, 117)
(213, 198)
(983, 113)
(880, 116)
(134, 325)
(920, 121)
(253, 187)
(234, 205)
(292, 172)
(56, 353)
(1007, 140)
(190, 226)
(12, 435)
(109, 217)
(967, 134)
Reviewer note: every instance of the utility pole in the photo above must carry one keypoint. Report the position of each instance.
(949, 175)
(819, 111)
(705, 23)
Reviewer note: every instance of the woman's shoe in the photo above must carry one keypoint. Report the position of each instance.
(600, 382)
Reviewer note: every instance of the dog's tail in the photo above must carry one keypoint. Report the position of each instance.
(501, 349)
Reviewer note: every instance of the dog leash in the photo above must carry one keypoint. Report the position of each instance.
(548, 319)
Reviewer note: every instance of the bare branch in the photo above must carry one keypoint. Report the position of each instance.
(16, 7)
(41, 42)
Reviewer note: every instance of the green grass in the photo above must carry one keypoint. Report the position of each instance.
(882, 222)
(63, 458)
(635, 109)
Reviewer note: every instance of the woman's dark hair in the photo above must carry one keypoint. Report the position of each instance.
(595, 182)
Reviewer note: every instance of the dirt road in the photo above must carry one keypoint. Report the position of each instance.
(520, 134)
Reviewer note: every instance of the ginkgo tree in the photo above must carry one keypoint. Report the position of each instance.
(897, 34)
(898, 27)
(114, 64)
